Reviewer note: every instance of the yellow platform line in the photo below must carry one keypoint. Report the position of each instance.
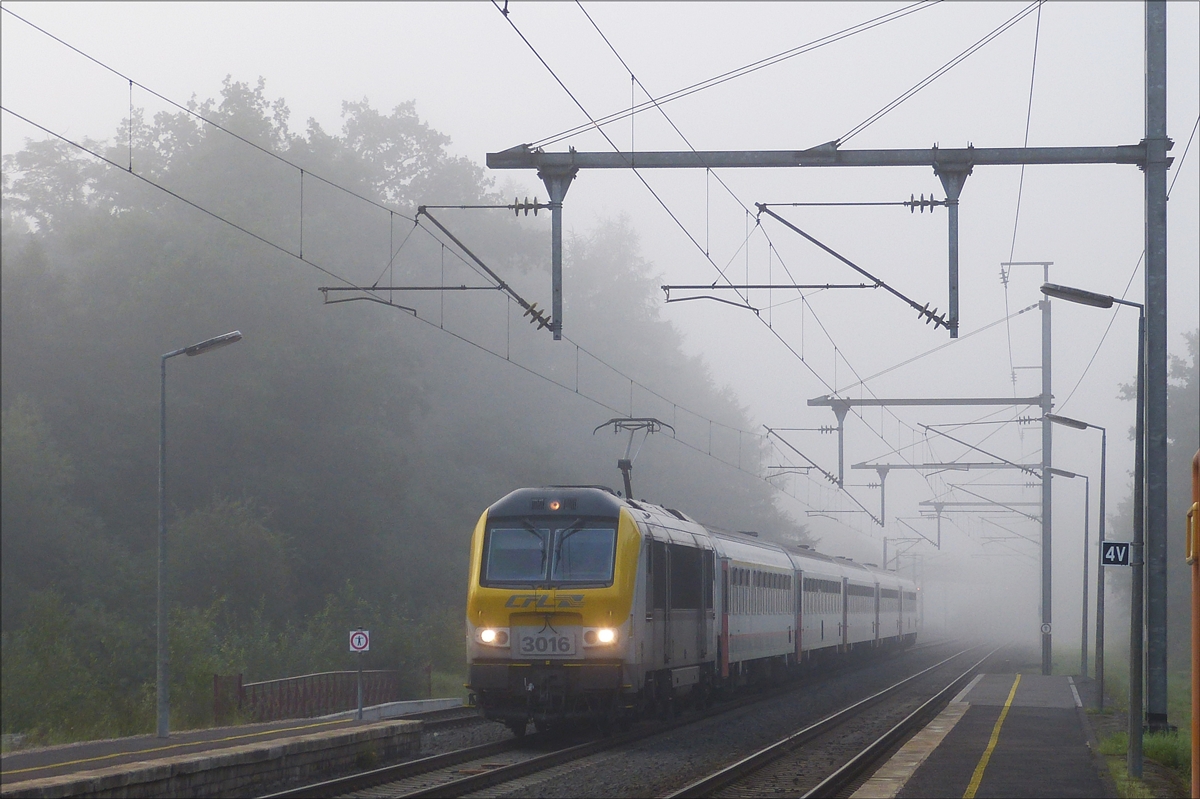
(167, 748)
(977, 777)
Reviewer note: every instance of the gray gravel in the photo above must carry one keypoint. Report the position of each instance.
(435, 741)
(666, 762)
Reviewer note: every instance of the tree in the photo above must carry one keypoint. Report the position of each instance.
(373, 438)
(1183, 439)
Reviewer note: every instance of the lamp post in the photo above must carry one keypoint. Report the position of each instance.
(1078, 425)
(1087, 509)
(161, 660)
(1137, 546)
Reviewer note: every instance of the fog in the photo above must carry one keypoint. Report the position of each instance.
(473, 79)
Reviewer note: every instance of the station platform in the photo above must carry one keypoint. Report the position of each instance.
(213, 762)
(1004, 735)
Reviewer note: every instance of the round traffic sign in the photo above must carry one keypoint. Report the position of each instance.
(360, 640)
(1046, 628)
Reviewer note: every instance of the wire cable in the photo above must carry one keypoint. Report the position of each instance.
(1136, 267)
(736, 73)
(199, 116)
(1020, 190)
(938, 348)
(374, 297)
(179, 197)
(704, 251)
(942, 70)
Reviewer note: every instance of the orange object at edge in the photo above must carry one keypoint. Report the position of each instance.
(1193, 522)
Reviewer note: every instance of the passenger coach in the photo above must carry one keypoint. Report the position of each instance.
(585, 605)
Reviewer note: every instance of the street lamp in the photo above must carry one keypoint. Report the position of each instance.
(1078, 425)
(1137, 546)
(1087, 510)
(161, 659)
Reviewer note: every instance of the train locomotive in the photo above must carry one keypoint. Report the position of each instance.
(586, 606)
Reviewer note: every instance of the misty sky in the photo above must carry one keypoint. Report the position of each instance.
(473, 78)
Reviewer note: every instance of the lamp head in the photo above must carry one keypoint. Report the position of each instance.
(1064, 420)
(214, 343)
(1077, 295)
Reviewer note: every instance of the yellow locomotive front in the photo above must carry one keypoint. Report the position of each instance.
(549, 607)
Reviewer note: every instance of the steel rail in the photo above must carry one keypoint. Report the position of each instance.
(865, 761)
(734, 772)
(480, 782)
(400, 771)
(477, 782)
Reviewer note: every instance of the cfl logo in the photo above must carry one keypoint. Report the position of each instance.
(543, 601)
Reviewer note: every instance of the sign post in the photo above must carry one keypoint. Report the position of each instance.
(360, 642)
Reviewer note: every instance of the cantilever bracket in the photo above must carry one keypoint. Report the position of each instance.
(557, 180)
(953, 176)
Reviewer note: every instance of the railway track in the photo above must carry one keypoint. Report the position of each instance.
(817, 761)
(479, 768)
(448, 719)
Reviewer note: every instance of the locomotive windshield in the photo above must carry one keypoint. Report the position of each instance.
(535, 552)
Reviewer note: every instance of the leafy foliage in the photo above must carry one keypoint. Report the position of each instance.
(1183, 439)
(326, 472)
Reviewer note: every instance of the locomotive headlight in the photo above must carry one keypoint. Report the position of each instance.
(493, 637)
(599, 636)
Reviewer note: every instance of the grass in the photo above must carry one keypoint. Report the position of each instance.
(446, 684)
(1172, 750)
(1113, 748)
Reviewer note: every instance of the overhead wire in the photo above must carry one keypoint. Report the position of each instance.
(938, 348)
(942, 70)
(201, 117)
(178, 196)
(703, 250)
(729, 75)
(1133, 274)
(710, 171)
(1020, 189)
(374, 297)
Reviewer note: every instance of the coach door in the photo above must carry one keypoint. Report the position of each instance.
(797, 579)
(685, 598)
(876, 625)
(845, 613)
(707, 576)
(659, 566)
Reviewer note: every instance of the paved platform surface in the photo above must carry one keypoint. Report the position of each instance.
(1005, 735)
(52, 761)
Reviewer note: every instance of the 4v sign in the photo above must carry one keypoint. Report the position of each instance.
(1115, 554)
(360, 641)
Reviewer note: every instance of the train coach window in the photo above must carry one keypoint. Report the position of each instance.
(686, 577)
